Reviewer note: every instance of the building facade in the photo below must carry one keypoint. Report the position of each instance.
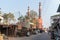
(55, 19)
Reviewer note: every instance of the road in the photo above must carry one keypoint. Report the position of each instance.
(41, 36)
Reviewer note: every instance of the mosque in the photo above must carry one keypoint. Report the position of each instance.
(10, 29)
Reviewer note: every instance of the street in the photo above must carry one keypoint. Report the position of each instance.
(41, 36)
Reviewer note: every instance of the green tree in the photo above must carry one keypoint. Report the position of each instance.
(20, 18)
(33, 17)
(5, 15)
(33, 14)
(10, 17)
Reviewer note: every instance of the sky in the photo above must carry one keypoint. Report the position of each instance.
(49, 8)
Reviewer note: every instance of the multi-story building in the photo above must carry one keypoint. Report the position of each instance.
(55, 18)
(55, 22)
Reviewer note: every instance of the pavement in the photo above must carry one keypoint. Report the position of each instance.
(40, 36)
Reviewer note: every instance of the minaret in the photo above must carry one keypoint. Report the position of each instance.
(39, 18)
(39, 10)
(28, 13)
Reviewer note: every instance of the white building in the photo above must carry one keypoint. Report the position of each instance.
(1, 18)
